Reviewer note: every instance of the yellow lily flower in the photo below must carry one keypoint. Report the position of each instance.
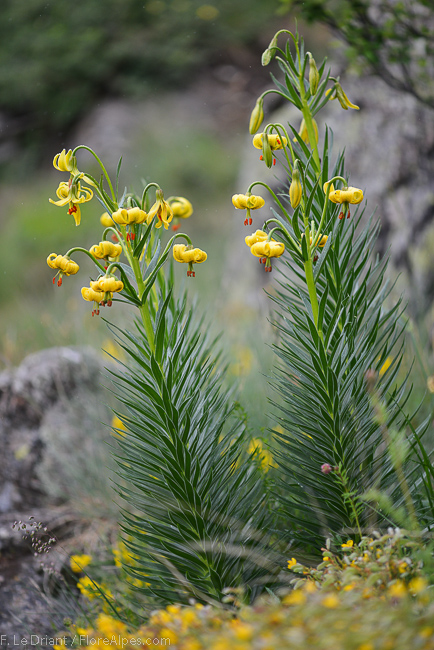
(322, 242)
(162, 210)
(347, 195)
(275, 141)
(107, 284)
(127, 217)
(259, 235)
(65, 162)
(96, 297)
(79, 562)
(189, 255)
(105, 250)
(303, 131)
(73, 194)
(263, 455)
(64, 264)
(265, 250)
(106, 220)
(247, 202)
(181, 209)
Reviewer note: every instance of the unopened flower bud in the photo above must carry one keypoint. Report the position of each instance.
(313, 76)
(343, 99)
(267, 151)
(257, 116)
(269, 53)
(326, 468)
(295, 189)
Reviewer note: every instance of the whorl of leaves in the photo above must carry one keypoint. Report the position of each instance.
(325, 409)
(195, 507)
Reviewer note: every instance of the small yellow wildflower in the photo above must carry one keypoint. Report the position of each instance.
(166, 633)
(417, 585)
(386, 365)
(79, 562)
(108, 625)
(296, 597)
(331, 601)
(119, 428)
(292, 562)
(309, 587)
(263, 455)
(397, 589)
(348, 544)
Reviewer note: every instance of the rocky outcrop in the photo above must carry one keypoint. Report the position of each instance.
(52, 439)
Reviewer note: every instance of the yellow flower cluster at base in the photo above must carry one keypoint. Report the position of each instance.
(79, 562)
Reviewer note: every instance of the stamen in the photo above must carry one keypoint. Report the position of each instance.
(59, 282)
(54, 279)
(73, 209)
(114, 238)
(246, 222)
(133, 236)
(274, 161)
(341, 215)
(109, 303)
(176, 227)
(261, 157)
(348, 215)
(250, 221)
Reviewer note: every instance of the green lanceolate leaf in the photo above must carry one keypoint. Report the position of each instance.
(197, 514)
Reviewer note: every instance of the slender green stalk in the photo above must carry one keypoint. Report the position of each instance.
(83, 146)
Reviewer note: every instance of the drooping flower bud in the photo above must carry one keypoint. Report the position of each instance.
(295, 189)
(343, 99)
(257, 116)
(313, 75)
(326, 468)
(269, 53)
(267, 151)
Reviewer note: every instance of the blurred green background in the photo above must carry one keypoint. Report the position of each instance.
(169, 85)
